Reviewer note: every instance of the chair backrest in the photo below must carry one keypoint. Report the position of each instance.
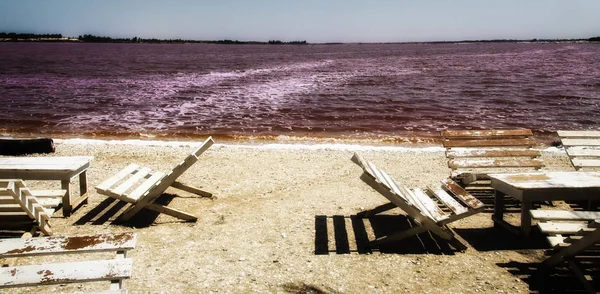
(583, 148)
(420, 203)
(179, 169)
(490, 151)
(16, 199)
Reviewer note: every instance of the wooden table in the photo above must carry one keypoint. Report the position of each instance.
(62, 169)
(541, 186)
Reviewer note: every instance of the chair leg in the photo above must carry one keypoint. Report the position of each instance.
(191, 189)
(172, 212)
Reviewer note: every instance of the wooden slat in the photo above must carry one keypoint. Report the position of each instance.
(555, 240)
(148, 184)
(106, 185)
(526, 142)
(567, 215)
(583, 151)
(139, 175)
(431, 207)
(448, 200)
(495, 163)
(578, 162)
(581, 142)
(553, 228)
(487, 133)
(48, 193)
(579, 134)
(461, 194)
(60, 273)
(19, 247)
(492, 153)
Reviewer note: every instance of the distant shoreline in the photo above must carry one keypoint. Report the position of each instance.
(26, 37)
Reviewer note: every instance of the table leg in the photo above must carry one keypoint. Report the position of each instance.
(66, 203)
(83, 185)
(498, 208)
(526, 218)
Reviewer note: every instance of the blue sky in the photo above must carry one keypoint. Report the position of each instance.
(311, 20)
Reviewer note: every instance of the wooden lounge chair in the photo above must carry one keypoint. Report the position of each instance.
(21, 208)
(450, 202)
(571, 233)
(113, 270)
(142, 186)
(472, 154)
(583, 148)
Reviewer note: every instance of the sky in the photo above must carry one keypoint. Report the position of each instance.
(315, 21)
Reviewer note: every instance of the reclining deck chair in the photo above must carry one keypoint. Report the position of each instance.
(583, 148)
(142, 186)
(472, 154)
(571, 234)
(451, 203)
(20, 208)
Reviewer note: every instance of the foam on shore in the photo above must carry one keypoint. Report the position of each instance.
(268, 146)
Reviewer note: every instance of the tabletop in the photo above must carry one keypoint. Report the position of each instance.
(66, 163)
(545, 180)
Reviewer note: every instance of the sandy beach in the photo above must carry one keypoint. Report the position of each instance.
(283, 221)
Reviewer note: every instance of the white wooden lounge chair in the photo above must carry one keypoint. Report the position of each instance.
(473, 154)
(21, 208)
(141, 186)
(583, 148)
(113, 270)
(570, 234)
(450, 202)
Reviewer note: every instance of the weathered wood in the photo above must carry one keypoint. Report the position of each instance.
(494, 163)
(526, 142)
(581, 142)
(579, 134)
(564, 215)
(23, 202)
(19, 247)
(26, 146)
(146, 186)
(486, 133)
(583, 152)
(580, 163)
(554, 228)
(448, 200)
(452, 153)
(460, 193)
(60, 273)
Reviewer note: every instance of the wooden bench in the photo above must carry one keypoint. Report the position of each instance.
(24, 209)
(583, 148)
(113, 270)
(472, 154)
(570, 234)
(432, 209)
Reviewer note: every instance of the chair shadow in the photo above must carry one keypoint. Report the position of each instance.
(495, 239)
(109, 208)
(557, 280)
(380, 225)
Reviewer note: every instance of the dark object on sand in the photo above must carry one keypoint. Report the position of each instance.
(26, 146)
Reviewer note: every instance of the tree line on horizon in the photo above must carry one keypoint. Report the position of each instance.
(89, 38)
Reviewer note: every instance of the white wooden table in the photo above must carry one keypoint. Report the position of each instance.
(62, 169)
(541, 186)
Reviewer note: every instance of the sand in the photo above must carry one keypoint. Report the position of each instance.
(270, 227)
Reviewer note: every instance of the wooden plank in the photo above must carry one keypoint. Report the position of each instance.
(430, 206)
(526, 142)
(581, 142)
(18, 247)
(448, 200)
(487, 133)
(60, 273)
(555, 240)
(48, 193)
(106, 185)
(567, 215)
(452, 153)
(203, 147)
(461, 194)
(583, 151)
(495, 163)
(554, 228)
(147, 185)
(137, 176)
(578, 162)
(580, 134)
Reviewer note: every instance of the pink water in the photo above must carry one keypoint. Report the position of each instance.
(353, 91)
